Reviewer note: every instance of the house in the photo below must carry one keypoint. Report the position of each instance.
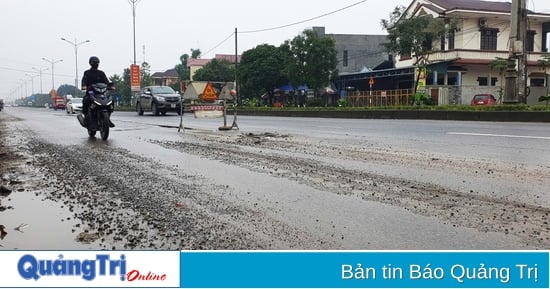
(166, 78)
(459, 65)
(195, 64)
(356, 53)
(171, 76)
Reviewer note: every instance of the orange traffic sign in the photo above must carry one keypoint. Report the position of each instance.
(209, 93)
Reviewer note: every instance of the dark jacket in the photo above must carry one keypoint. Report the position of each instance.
(93, 76)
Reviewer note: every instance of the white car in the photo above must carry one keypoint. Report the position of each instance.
(74, 104)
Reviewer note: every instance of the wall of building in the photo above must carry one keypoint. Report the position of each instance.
(357, 52)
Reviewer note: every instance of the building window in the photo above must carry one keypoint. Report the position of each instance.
(482, 81)
(539, 82)
(530, 41)
(345, 60)
(427, 44)
(448, 39)
(488, 38)
(451, 40)
(406, 56)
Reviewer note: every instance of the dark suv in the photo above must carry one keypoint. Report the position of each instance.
(158, 100)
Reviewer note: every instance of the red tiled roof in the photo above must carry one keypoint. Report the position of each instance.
(197, 62)
(170, 73)
(474, 5)
(228, 57)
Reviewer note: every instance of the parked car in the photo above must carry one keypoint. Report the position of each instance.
(157, 100)
(74, 105)
(483, 99)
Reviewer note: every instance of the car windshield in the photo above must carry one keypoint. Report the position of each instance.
(481, 97)
(162, 90)
(76, 100)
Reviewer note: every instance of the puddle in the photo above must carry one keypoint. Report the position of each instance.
(45, 224)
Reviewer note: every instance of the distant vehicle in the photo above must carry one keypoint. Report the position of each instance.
(483, 99)
(74, 105)
(58, 102)
(157, 100)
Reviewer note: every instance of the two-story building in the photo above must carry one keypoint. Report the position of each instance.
(460, 66)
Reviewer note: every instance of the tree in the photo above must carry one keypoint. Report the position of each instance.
(261, 71)
(500, 64)
(216, 70)
(310, 59)
(182, 68)
(146, 79)
(196, 53)
(415, 36)
(118, 83)
(69, 89)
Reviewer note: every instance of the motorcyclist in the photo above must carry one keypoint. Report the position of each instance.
(90, 77)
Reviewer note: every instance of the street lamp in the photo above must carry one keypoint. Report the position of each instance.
(40, 73)
(32, 81)
(75, 44)
(134, 3)
(24, 82)
(52, 62)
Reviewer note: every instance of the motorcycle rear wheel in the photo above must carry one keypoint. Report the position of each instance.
(91, 133)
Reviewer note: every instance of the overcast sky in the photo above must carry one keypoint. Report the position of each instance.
(165, 29)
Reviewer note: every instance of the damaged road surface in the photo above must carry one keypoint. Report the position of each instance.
(314, 184)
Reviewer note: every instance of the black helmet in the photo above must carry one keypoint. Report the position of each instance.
(93, 60)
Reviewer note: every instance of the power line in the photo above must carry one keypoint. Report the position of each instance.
(219, 44)
(15, 69)
(284, 26)
(303, 21)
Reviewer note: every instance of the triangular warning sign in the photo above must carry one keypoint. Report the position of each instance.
(209, 93)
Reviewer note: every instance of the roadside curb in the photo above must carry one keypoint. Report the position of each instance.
(500, 116)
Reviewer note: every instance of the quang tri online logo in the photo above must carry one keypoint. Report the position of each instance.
(106, 265)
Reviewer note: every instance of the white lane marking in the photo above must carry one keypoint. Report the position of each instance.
(500, 135)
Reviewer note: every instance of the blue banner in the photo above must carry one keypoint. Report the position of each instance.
(364, 269)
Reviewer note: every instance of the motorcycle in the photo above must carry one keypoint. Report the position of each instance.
(99, 111)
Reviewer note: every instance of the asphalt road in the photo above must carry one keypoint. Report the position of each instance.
(281, 183)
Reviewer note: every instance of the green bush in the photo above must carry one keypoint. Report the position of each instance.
(343, 102)
(421, 98)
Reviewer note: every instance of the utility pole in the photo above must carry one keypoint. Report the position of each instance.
(522, 59)
(516, 74)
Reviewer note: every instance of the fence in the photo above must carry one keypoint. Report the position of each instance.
(380, 97)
